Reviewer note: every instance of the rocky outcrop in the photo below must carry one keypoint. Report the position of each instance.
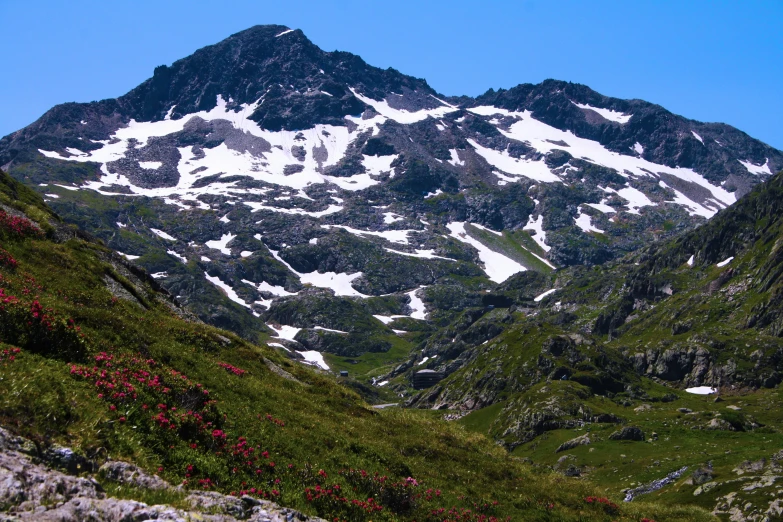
(582, 440)
(30, 490)
(628, 433)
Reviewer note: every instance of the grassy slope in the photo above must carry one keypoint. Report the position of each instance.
(732, 312)
(325, 425)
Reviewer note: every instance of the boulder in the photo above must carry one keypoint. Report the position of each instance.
(582, 440)
(628, 433)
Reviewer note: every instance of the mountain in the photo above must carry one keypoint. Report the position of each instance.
(267, 183)
(595, 281)
(589, 350)
(111, 394)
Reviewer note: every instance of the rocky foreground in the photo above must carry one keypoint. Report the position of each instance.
(32, 489)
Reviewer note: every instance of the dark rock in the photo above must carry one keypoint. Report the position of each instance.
(702, 475)
(628, 433)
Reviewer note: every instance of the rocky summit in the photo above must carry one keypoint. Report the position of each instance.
(589, 287)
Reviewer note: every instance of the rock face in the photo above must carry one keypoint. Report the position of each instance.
(268, 165)
(32, 491)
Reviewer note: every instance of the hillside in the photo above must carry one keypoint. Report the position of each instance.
(589, 351)
(96, 357)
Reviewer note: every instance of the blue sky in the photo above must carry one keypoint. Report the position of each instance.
(707, 60)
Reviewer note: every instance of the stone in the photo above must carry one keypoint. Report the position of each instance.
(628, 433)
(33, 492)
(702, 475)
(126, 473)
(719, 424)
(582, 440)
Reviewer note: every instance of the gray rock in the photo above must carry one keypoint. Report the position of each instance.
(131, 475)
(719, 424)
(582, 440)
(702, 475)
(33, 492)
(628, 433)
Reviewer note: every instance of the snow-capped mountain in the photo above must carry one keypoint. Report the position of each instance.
(264, 181)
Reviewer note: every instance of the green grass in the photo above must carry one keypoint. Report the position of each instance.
(372, 364)
(319, 424)
(326, 426)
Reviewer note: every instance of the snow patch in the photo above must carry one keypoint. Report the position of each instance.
(329, 330)
(535, 170)
(314, 358)
(697, 137)
(417, 305)
(393, 236)
(377, 165)
(285, 332)
(425, 254)
(391, 217)
(585, 222)
(230, 293)
(266, 287)
(267, 167)
(163, 234)
(403, 116)
(386, 319)
(757, 169)
(151, 165)
(488, 110)
(222, 243)
(540, 297)
(693, 208)
(339, 283)
(603, 207)
(608, 114)
(178, 256)
(701, 390)
(497, 266)
(725, 262)
(638, 148)
(537, 226)
(455, 158)
(294, 211)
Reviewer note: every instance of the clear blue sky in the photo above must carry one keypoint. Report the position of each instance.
(707, 60)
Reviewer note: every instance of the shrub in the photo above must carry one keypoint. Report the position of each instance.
(39, 330)
(14, 227)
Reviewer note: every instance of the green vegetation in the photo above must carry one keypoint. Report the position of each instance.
(206, 408)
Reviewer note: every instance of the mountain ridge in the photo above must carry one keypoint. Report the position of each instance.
(385, 186)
